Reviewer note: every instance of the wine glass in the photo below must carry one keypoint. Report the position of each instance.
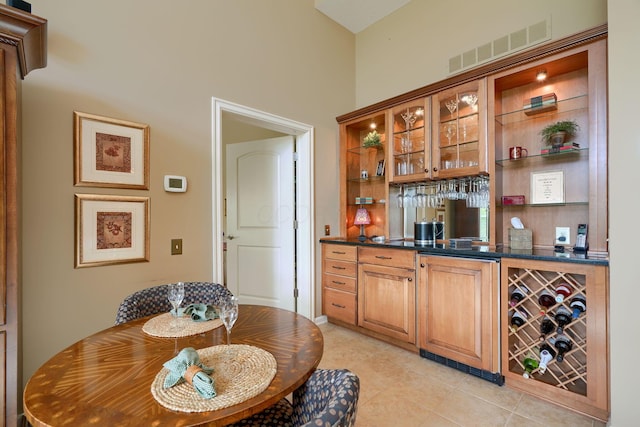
(229, 315)
(175, 296)
(452, 105)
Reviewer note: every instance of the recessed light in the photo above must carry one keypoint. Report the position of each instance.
(541, 75)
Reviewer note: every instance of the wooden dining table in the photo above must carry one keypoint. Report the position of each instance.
(105, 379)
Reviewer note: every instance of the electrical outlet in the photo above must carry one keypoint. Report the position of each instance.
(563, 236)
(327, 230)
(176, 246)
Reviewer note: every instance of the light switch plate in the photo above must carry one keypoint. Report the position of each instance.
(176, 246)
(563, 236)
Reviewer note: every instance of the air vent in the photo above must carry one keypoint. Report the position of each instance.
(515, 41)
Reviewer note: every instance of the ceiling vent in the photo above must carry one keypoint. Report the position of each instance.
(503, 46)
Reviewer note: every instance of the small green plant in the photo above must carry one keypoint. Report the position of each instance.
(569, 127)
(372, 139)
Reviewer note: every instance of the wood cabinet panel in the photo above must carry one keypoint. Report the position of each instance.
(340, 252)
(458, 310)
(339, 276)
(387, 257)
(386, 301)
(23, 38)
(339, 305)
(343, 268)
(342, 283)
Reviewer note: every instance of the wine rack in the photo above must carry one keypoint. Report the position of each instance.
(570, 374)
(580, 380)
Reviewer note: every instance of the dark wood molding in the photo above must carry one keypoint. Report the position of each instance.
(28, 33)
(530, 55)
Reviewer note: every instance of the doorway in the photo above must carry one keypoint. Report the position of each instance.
(260, 221)
(305, 248)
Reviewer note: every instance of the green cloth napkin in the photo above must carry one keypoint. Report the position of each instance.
(202, 382)
(198, 312)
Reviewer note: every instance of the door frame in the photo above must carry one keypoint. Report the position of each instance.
(305, 249)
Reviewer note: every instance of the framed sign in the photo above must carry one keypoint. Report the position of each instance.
(111, 230)
(547, 187)
(110, 152)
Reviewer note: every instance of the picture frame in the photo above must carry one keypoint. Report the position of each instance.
(547, 187)
(111, 230)
(380, 168)
(110, 152)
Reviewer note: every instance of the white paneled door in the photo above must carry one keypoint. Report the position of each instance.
(260, 210)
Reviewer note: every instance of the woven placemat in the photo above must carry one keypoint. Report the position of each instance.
(166, 326)
(241, 374)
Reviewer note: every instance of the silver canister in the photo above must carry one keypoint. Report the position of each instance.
(428, 232)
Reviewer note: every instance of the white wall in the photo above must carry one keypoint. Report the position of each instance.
(160, 62)
(624, 176)
(411, 48)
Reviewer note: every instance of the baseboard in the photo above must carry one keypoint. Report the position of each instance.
(320, 320)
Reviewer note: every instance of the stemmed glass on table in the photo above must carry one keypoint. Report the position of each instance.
(175, 295)
(229, 315)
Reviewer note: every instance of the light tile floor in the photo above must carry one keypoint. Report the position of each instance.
(400, 388)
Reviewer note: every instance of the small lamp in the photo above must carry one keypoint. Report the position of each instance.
(362, 219)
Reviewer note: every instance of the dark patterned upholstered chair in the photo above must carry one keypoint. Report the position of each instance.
(329, 398)
(154, 300)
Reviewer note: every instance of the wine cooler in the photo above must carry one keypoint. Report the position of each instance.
(554, 317)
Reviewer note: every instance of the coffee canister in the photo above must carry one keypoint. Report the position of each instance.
(428, 232)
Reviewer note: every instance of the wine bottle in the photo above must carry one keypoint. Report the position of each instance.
(518, 318)
(547, 353)
(518, 294)
(546, 300)
(563, 317)
(563, 344)
(563, 290)
(546, 327)
(578, 305)
(530, 363)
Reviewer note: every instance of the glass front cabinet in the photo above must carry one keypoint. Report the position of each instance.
(363, 175)
(411, 142)
(459, 133)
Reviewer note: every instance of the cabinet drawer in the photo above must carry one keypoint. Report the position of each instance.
(390, 257)
(341, 252)
(342, 268)
(347, 284)
(339, 305)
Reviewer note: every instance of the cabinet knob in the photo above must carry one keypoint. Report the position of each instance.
(410, 279)
(422, 264)
(435, 169)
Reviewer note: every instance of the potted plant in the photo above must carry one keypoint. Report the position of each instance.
(556, 133)
(372, 140)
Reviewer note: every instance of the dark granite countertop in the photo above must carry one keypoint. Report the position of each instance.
(476, 251)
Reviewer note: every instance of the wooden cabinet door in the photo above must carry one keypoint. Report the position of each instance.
(459, 143)
(386, 301)
(458, 310)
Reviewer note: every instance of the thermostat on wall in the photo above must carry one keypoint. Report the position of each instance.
(175, 184)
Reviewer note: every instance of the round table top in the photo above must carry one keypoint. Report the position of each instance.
(105, 379)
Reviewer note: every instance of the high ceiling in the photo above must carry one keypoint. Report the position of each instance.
(356, 15)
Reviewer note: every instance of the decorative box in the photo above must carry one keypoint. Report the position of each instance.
(364, 200)
(512, 200)
(540, 104)
(520, 238)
